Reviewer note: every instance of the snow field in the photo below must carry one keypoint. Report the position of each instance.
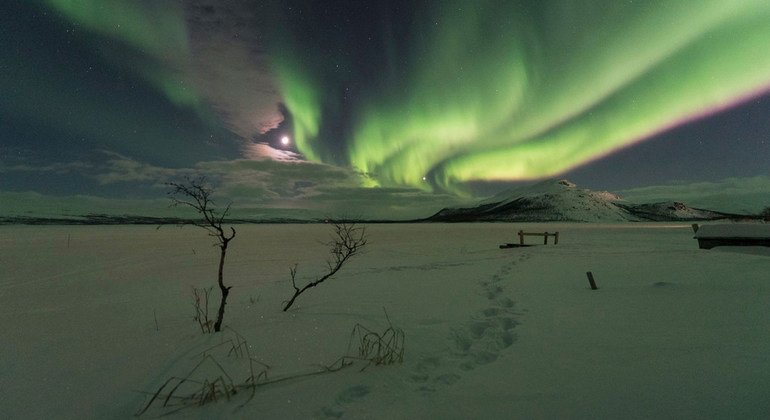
(673, 331)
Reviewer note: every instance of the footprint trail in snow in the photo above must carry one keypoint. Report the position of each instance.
(479, 341)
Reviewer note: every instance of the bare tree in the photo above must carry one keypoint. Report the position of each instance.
(347, 241)
(194, 193)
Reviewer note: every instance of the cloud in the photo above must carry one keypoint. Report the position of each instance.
(204, 57)
(55, 168)
(267, 187)
(230, 64)
(739, 195)
(257, 151)
(121, 169)
(296, 188)
(263, 181)
(384, 203)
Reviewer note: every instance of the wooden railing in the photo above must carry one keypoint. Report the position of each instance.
(545, 236)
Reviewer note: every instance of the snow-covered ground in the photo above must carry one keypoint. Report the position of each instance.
(95, 317)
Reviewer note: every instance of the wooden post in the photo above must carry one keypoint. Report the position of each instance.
(556, 239)
(591, 280)
(545, 238)
(521, 237)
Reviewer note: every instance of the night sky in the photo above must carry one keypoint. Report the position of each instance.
(386, 109)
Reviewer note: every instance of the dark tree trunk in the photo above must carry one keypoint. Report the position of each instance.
(225, 290)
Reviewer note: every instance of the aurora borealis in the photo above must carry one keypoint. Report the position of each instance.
(383, 104)
(512, 90)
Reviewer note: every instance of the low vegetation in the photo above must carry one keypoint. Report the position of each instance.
(216, 375)
(347, 241)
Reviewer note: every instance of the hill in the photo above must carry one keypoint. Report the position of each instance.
(562, 200)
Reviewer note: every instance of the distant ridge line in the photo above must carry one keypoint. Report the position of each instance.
(563, 201)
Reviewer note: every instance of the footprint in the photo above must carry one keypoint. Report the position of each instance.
(462, 343)
(490, 312)
(467, 365)
(352, 394)
(479, 342)
(493, 292)
(507, 323)
(484, 357)
(448, 378)
(479, 328)
(347, 396)
(505, 340)
(329, 412)
(428, 363)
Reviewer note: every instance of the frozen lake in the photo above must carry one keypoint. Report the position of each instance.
(95, 315)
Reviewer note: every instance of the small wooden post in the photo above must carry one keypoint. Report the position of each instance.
(521, 237)
(591, 280)
(556, 239)
(545, 238)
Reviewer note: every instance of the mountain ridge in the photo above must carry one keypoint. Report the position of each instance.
(561, 200)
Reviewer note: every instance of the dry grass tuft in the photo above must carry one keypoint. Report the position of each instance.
(201, 305)
(209, 381)
(386, 348)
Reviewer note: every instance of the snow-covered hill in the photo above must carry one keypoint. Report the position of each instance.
(561, 200)
(672, 210)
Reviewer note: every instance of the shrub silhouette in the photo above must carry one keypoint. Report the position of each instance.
(194, 193)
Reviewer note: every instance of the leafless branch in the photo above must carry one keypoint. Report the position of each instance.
(347, 241)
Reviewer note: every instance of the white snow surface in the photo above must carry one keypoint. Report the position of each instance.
(673, 331)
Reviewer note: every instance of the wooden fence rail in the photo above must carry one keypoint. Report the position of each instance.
(545, 236)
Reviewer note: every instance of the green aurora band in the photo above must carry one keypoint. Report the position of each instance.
(155, 30)
(516, 90)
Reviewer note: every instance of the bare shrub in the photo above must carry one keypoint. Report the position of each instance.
(195, 194)
(347, 241)
(201, 305)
